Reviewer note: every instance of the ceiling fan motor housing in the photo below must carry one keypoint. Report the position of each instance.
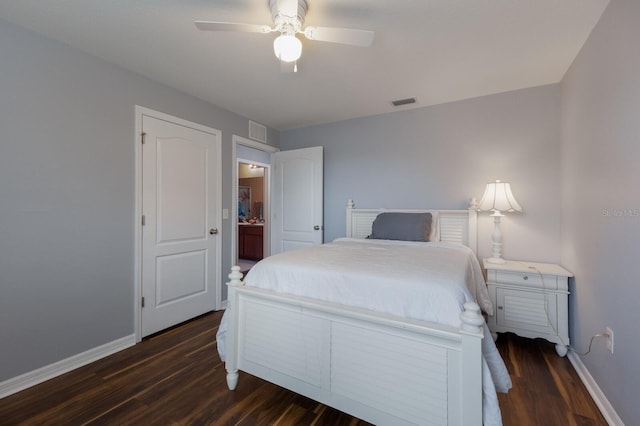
(281, 21)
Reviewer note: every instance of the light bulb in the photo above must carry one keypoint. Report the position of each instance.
(287, 48)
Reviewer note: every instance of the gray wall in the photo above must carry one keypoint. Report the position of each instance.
(67, 196)
(441, 156)
(601, 203)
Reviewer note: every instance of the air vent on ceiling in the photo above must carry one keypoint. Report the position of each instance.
(257, 132)
(407, 101)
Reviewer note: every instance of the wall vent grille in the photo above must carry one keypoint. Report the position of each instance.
(257, 132)
(407, 101)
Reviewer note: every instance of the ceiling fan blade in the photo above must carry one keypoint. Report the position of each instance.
(288, 8)
(362, 38)
(232, 26)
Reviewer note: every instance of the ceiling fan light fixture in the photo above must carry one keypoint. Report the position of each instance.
(287, 48)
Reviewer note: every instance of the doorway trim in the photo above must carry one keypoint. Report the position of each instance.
(141, 111)
(239, 140)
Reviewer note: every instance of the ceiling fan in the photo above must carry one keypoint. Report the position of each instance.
(288, 18)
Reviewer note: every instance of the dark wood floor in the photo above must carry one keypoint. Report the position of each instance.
(176, 378)
(546, 389)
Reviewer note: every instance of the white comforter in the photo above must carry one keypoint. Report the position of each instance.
(423, 281)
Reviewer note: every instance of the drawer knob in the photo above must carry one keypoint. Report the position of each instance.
(525, 278)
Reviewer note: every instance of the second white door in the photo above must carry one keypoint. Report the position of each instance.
(297, 199)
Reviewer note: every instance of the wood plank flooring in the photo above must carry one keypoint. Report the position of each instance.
(176, 378)
(546, 389)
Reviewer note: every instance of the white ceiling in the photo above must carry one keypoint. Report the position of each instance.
(434, 50)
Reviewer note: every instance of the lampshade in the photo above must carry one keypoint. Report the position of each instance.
(287, 48)
(498, 197)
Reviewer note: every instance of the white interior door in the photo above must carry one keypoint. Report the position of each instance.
(297, 199)
(180, 245)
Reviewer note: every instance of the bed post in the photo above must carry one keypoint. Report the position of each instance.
(472, 331)
(473, 225)
(350, 207)
(233, 307)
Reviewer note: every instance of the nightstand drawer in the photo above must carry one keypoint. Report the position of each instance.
(529, 279)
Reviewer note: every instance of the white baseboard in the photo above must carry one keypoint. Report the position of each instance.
(607, 410)
(16, 384)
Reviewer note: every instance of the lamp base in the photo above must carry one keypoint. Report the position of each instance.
(496, 260)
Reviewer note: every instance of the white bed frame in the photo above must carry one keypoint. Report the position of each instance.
(381, 368)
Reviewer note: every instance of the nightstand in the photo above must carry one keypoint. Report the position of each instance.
(531, 300)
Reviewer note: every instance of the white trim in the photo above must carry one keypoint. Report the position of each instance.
(32, 378)
(254, 144)
(239, 140)
(607, 410)
(137, 291)
(137, 227)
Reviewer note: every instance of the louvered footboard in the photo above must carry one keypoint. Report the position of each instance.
(380, 368)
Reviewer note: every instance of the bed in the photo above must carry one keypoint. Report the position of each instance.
(388, 354)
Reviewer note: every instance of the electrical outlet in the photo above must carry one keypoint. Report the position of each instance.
(609, 339)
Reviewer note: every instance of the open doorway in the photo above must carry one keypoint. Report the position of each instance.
(252, 220)
(259, 154)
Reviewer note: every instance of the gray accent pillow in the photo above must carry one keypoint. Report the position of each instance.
(401, 226)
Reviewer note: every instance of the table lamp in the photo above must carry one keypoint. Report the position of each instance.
(498, 198)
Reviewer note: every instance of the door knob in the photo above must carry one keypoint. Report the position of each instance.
(213, 231)
(316, 228)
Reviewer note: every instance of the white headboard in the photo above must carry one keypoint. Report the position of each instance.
(456, 226)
